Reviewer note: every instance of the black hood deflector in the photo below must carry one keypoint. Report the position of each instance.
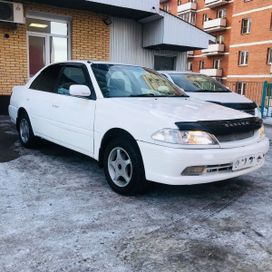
(223, 127)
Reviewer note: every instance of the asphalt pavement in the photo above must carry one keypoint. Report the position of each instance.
(57, 213)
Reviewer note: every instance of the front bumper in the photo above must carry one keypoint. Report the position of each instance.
(165, 165)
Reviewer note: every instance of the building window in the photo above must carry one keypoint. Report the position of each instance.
(217, 64)
(48, 42)
(190, 66)
(205, 17)
(179, 2)
(246, 26)
(241, 88)
(166, 7)
(269, 56)
(243, 58)
(271, 21)
(201, 65)
(221, 13)
(220, 39)
(189, 17)
(165, 63)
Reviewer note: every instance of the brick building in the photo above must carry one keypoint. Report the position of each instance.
(36, 33)
(242, 53)
(169, 6)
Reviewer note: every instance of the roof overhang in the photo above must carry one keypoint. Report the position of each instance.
(172, 33)
(121, 8)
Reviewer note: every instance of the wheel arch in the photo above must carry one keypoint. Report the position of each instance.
(113, 134)
(20, 112)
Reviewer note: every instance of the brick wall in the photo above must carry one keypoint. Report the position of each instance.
(171, 6)
(90, 39)
(241, 5)
(260, 32)
(212, 13)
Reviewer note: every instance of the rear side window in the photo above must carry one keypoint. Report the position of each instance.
(47, 79)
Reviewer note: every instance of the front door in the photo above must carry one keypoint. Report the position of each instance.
(74, 116)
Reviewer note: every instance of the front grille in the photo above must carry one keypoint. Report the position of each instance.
(212, 169)
(235, 136)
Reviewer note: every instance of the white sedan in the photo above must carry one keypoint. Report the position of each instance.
(208, 89)
(137, 125)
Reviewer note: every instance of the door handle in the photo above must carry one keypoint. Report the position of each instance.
(55, 106)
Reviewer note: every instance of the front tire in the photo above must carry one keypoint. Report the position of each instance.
(26, 135)
(124, 168)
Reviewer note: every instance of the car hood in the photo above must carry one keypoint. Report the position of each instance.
(173, 109)
(141, 117)
(228, 97)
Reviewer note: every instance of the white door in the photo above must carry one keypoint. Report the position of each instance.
(41, 99)
(74, 116)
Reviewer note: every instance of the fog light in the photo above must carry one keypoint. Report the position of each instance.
(194, 171)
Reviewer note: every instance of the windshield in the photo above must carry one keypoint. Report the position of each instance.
(116, 80)
(198, 83)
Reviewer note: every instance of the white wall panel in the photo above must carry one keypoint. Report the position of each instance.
(142, 5)
(127, 46)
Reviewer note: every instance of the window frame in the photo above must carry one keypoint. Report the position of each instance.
(241, 87)
(248, 26)
(269, 56)
(49, 17)
(40, 74)
(223, 11)
(189, 66)
(218, 62)
(200, 66)
(205, 18)
(220, 39)
(243, 58)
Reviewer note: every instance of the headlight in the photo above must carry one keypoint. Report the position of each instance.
(262, 132)
(175, 136)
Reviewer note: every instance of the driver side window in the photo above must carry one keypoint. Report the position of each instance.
(70, 75)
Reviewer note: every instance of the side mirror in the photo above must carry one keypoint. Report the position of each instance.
(79, 90)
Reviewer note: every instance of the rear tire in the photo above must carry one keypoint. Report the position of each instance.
(123, 167)
(26, 135)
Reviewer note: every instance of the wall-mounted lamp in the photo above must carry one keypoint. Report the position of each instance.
(107, 21)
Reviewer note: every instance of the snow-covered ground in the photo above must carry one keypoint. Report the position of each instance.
(58, 214)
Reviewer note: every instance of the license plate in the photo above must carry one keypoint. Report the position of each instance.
(247, 162)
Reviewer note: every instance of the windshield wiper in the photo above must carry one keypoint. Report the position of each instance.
(153, 95)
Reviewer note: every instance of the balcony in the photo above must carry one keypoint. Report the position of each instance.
(214, 49)
(186, 7)
(215, 3)
(212, 72)
(215, 25)
(190, 54)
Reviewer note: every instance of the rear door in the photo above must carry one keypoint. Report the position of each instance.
(40, 100)
(74, 116)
